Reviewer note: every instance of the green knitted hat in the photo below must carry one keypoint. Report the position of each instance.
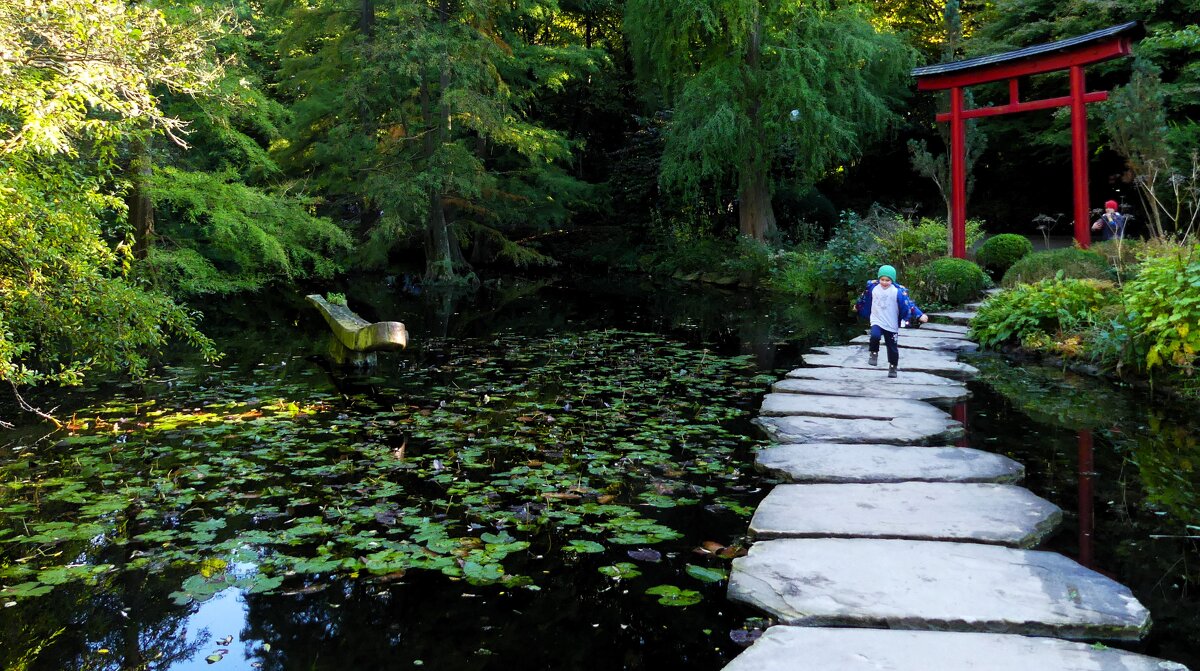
(886, 271)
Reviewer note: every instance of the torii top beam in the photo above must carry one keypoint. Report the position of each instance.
(1071, 54)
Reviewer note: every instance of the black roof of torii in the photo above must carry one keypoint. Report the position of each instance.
(1027, 52)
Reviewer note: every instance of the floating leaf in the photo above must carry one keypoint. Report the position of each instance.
(707, 575)
(587, 547)
(670, 595)
(621, 571)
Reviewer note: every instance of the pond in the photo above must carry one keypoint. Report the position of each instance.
(556, 474)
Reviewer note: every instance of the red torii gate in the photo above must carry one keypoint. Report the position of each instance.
(1073, 54)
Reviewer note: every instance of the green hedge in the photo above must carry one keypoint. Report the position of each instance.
(1000, 252)
(1072, 262)
(948, 280)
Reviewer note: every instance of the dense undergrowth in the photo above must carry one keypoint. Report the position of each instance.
(1142, 317)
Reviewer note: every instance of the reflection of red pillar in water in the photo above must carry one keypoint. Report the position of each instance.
(1086, 512)
(959, 413)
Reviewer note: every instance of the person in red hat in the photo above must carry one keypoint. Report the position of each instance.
(1111, 224)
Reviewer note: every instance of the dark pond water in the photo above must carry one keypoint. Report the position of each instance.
(554, 475)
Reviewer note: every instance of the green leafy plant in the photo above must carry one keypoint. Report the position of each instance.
(1163, 305)
(1044, 314)
(1073, 263)
(336, 298)
(999, 252)
(949, 281)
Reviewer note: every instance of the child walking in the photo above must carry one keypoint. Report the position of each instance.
(886, 304)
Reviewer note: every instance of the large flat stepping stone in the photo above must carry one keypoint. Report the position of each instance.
(923, 342)
(960, 317)
(824, 649)
(825, 373)
(856, 385)
(841, 463)
(901, 584)
(847, 407)
(933, 331)
(855, 356)
(935, 511)
(960, 329)
(923, 430)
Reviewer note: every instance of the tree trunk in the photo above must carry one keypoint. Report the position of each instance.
(439, 264)
(141, 207)
(756, 217)
(366, 21)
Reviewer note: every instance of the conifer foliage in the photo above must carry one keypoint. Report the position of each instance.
(763, 85)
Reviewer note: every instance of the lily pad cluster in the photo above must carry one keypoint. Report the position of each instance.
(463, 455)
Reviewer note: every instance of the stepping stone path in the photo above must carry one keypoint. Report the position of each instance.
(984, 513)
(841, 463)
(858, 386)
(826, 649)
(855, 356)
(915, 547)
(902, 584)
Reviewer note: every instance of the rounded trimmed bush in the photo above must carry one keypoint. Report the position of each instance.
(949, 280)
(999, 252)
(1074, 263)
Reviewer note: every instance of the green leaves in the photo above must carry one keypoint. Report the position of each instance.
(670, 595)
(587, 437)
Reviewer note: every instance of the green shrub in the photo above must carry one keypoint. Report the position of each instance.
(913, 244)
(1073, 263)
(948, 281)
(1120, 254)
(1163, 307)
(798, 272)
(1000, 252)
(336, 298)
(1047, 315)
(852, 255)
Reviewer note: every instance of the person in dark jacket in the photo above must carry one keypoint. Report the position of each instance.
(887, 304)
(1111, 224)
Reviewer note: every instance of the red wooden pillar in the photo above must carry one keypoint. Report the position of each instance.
(1079, 155)
(958, 175)
(1087, 467)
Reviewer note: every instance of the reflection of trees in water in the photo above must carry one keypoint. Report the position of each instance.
(581, 621)
(130, 615)
(1127, 463)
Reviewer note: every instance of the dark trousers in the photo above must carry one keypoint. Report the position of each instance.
(889, 339)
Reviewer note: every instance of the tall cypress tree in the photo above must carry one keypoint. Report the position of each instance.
(759, 84)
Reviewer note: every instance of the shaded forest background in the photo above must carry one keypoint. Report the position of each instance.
(155, 152)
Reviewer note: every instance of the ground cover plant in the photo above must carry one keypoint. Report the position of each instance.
(1070, 262)
(575, 443)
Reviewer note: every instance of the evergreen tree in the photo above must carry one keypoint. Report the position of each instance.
(422, 126)
(756, 84)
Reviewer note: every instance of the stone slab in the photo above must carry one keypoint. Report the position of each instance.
(924, 342)
(824, 649)
(925, 430)
(961, 317)
(855, 356)
(873, 388)
(933, 331)
(902, 584)
(938, 511)
(960, 329)
(826, 373)
(847, 407)
(841, 463)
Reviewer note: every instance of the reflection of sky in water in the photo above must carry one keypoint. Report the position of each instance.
(221, 616)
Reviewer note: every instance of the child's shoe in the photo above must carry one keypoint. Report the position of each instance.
(891, 371)
(873, 359)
